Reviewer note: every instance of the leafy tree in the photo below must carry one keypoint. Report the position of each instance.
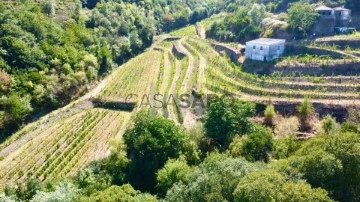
(285, 147)
(17, 107)
(118, 193)
(215, 179)
(150, 143)
(49, 7)
(257, 13)
(227, 117)
(63, 192)
(320, 169)
(174, 171)
(259, 186)
(303, 192)
(24, 192)
(302, 16)
(269, 185)
(237, 26)
(257, 145)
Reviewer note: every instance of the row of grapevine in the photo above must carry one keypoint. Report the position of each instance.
(65, 147)
(223, 75)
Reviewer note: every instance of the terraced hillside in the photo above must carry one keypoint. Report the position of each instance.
(66, 140)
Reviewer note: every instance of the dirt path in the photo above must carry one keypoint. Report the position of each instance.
(166, 80)
(189, 117)
(171, 108)
(190, 69)
(202, 66)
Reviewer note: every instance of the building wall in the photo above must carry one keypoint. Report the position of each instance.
(276, 50)
(342, 18)
(268, 53)
(328, 21)
(324, 26)
(256, 53)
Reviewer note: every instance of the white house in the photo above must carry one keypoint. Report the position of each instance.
(264, 49)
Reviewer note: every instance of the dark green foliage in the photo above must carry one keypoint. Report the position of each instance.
(285, 147)
(329, 163)
(227, 117)
(257, 145)
(150, 143)
(269, 185)
(24, 192)
(237, 26)
(51, 62)
(17, 107)
(118, 193)
(213, 180)
(174, 171)
(302, 16)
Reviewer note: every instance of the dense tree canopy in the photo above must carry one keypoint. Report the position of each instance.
(150, 143)
(302, 16)
(228, 117)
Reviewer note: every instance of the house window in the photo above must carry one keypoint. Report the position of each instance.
(261, 48)
(278, 48)
(254, 47)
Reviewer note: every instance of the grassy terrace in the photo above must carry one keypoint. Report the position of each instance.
(64, 146)
(224, 75)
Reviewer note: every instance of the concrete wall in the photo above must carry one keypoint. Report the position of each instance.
(276, 50)
(269, 52)
(259, 53)
(342, 18)
(324, 26)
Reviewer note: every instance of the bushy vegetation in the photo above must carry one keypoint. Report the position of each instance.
(242, 25)
(158, 157)
(46, 63)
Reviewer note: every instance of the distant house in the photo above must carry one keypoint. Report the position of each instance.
(331, 19)
(342, 17)
(264, 49)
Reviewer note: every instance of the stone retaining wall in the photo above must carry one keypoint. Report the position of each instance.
(231, 52)
(177, 51)
(337, 111)
(318, 69)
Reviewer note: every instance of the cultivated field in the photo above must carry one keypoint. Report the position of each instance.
(66, 140)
